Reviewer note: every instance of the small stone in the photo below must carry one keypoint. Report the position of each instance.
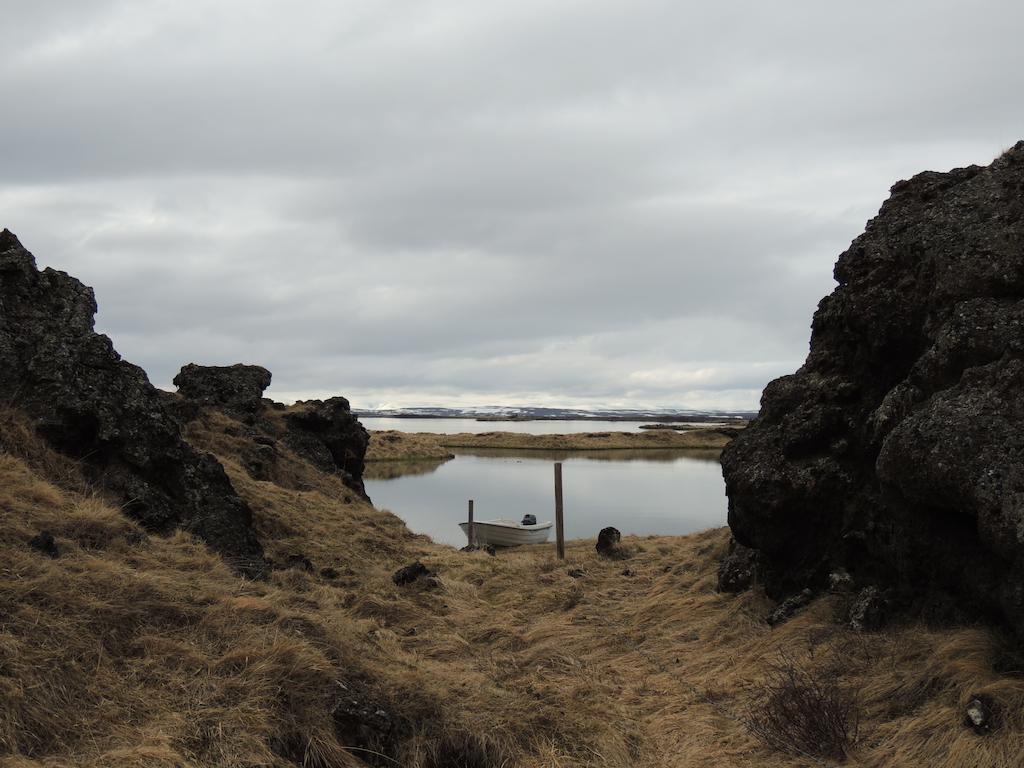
(980, 714)
(45, 543)
(409, 573)
(300, 561)
(790, 607)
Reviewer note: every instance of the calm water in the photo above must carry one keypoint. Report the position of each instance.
(454, 426)
(666, 492)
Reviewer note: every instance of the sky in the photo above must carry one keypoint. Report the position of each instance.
(557, 203)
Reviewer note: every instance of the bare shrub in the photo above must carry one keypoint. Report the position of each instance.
(805, 713)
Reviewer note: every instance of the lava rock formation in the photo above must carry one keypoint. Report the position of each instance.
(329, 436)
(897, 450)
(235, 389)
(323, 432)
(90, 404)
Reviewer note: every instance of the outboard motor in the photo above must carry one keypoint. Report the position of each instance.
(529, 520)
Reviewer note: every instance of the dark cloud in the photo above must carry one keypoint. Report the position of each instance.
(504, 202)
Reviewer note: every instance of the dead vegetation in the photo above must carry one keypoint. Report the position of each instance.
(391, 445)
(804, 712)
(135, 650)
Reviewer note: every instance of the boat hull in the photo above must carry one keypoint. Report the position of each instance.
(507, 533)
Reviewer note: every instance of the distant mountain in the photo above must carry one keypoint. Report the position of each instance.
(500, 413)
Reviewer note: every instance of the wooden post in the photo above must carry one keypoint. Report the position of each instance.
(559, 527)
(472, 529)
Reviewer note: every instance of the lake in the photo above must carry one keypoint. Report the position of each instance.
(645, 492)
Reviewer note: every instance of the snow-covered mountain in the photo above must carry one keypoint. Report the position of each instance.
(502, 413)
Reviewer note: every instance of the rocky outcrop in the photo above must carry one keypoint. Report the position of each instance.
(235, 389)
(328, 435)
(895, 452)
(90, 404)
(323, 432)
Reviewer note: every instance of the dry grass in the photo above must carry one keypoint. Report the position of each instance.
(220, 435)
(144, 651)
(414, 445)
(391, 445)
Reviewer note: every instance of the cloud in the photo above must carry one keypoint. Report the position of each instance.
(451, 201)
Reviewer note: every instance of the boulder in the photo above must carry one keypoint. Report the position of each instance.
(90, 404)
(45, 543)
(488, 548)
(235, 389)
(894, 451)
(609, 544)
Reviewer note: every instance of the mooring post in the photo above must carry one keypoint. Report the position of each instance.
(472, 530)
(559, 528)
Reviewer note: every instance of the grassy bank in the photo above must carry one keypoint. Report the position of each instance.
(391, 445)
(136, 650)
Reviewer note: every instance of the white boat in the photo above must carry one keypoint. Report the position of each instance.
(507, 533)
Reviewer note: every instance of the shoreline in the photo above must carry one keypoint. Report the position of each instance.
(392, 445)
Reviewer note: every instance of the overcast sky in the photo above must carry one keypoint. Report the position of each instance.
(632, 203)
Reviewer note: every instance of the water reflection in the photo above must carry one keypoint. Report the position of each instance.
(389, 470)
(616, 454)
(658, 491)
